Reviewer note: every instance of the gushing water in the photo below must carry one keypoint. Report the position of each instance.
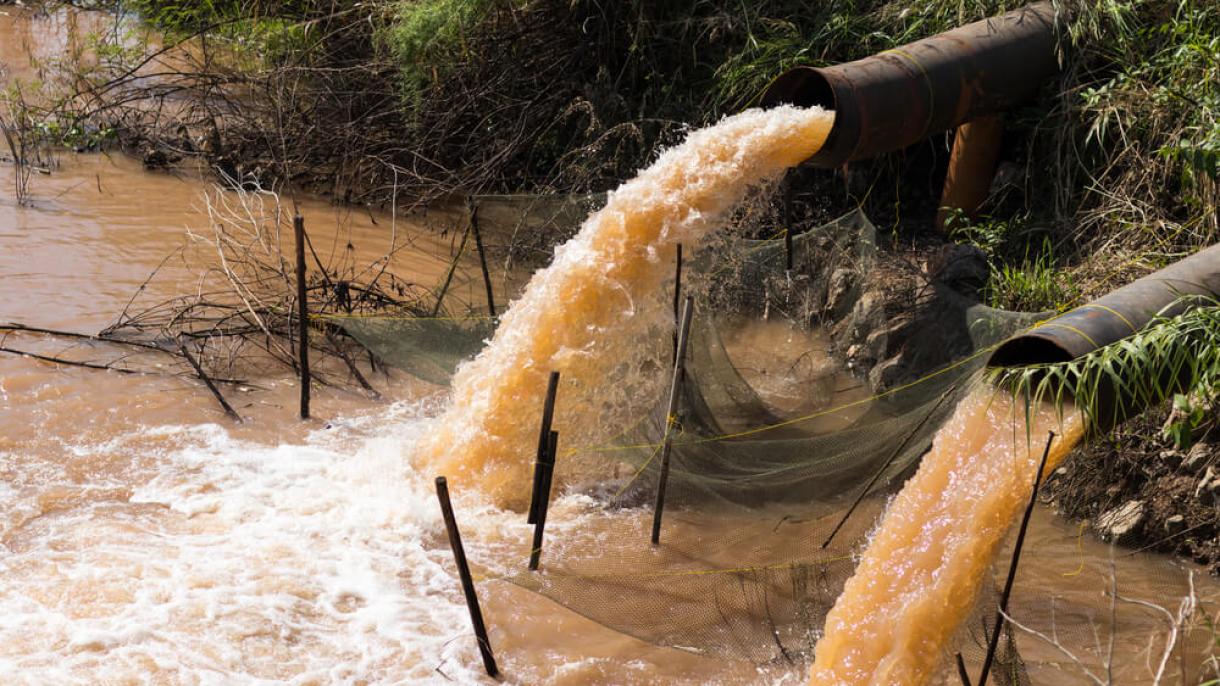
(918, 579)
(586, 313)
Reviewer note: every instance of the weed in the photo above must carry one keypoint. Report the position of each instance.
(1034, 285)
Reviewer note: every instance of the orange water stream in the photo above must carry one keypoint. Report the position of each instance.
(588, 313)
(918, 579)
(146, 539)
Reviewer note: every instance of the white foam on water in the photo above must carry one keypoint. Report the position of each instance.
(321, 563)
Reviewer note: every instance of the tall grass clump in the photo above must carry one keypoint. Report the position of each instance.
(1135, 168)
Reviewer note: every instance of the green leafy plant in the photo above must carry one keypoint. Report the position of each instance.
(1142, 370)
(987, 235)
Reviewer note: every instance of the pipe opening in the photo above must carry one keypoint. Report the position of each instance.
(1027, 350)
(803, 87)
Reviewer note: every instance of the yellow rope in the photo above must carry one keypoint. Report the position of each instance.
(1114, 312)
(1079, 551)
(399, 317)
(670, 573)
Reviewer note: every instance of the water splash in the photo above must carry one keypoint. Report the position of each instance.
(922, 570)
(587, 313)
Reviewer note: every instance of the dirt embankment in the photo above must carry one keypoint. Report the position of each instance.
(1139, 491)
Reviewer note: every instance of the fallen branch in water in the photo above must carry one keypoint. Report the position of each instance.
(211, 386)
(101, 338)
(110, 367)
(73, 363)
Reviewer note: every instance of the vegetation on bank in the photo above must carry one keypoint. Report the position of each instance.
(1118, 160)
(1111, 171)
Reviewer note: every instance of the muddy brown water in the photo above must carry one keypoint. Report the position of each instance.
(145, 539)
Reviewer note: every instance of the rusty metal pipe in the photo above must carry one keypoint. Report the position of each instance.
(1115, 316)
(972, 165)
(901, 96)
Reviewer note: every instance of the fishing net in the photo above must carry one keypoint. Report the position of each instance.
(770, 449)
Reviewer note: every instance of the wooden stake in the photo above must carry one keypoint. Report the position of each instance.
(208, 382)
(675, 391)
(961, 671)
(1012, 567)
(677, 299)
(544, 437)
(298, 226)
(478, 242)
(544, 498)
(472, 599)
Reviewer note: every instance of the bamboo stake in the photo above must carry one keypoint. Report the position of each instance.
(478, 242)
(468, 590)
(544, 434)
(208, 382)
(544, 498)
(675, 390)
(1012, 567)
(298, 227)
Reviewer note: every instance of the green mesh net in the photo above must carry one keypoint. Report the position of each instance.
(748, 568)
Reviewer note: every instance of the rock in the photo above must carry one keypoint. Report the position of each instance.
(1172, 458)
(1121, 524)
(887, 374)
(867, 316)
(963, 268)
(1175, 525)
(839, 292)
(1198, 456)
(874, 347)
(1062, 471)
(1208, 489)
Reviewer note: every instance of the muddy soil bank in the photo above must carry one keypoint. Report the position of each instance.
(1136, 489)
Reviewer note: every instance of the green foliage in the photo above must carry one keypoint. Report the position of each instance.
(1030, 283)
(1033, 285)
(428, 37)
(190, 17)
(272, 30)
(1189, 417)
(1148, 77)
(989, 235)
(1146, 368)
(774, 35)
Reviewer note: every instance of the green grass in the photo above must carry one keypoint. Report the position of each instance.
(1123, 152)
(1034, 285)
(272, 30)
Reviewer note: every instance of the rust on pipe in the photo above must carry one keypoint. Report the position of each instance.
(972, 164)
(901, 96)
(1114, 316)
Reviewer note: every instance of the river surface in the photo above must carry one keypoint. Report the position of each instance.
(144, 538)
